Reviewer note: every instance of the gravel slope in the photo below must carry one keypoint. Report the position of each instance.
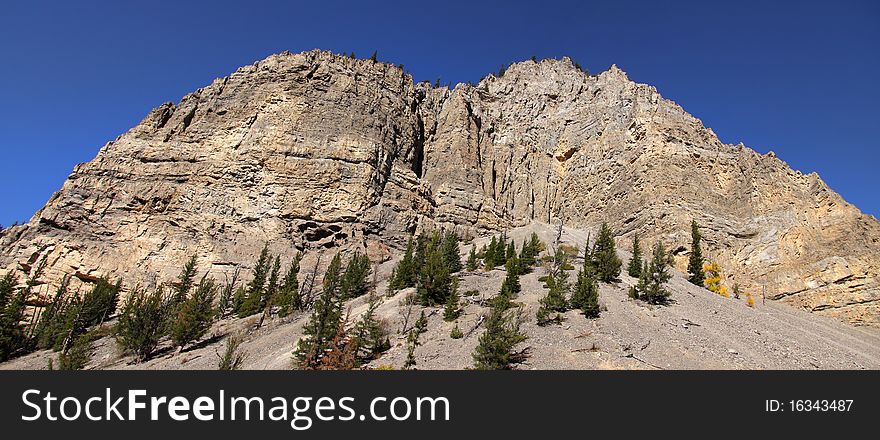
(699, 330)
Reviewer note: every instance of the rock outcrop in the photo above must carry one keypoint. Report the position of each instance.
(316, 152)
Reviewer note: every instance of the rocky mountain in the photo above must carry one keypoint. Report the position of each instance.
(316, 151)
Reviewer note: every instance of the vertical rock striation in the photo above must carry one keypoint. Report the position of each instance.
(316, 151)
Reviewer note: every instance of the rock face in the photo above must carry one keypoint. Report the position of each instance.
(317, 152)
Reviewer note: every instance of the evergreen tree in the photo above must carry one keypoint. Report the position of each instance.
(695, 262)
(653, 289)
(324, 321)
(289, 298)
(451, 310)
(7, 288)
(195, 314)
(79, 354)
(354, 279)
(555, 302)
(510, 287)
(51, 325)
(605, 256)
(232, 358)
(586, 294)
(12, 336)
(412, 341)
(256, 289)
(511, 252)
(472, 259)
(141, 323)
(490, 259)
(435, 282)
(184, 283)
(369, 334)
(100, 302)
(634, 269)
(272, 284)
(526, 258)
(450, 252)
(501, 251)
(495, 348)
(404, 274)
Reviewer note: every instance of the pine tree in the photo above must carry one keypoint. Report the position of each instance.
(511, 252)
(7, 288)
(695, 262)
(184, 282)
(451, 310)
(555, 302)
(232, 358)
(412, 341)
(79, 354)
(369, 334)
(472, 259)
(99, 303)
(490, 260)
(256, 289)
(354, 279)
(289, 298)
(526, 258)
(501, 251)
(450, 252)
(510, 287)
(586, 294)
(605, 255)
(141, 323)
(195, 314)
(634, 269)
(654, 290)
(12, 308)
(272, 283)
(51, 325)
(495, 349)
(324, 321)
(435, 282)
(342, 351)
(404, 274)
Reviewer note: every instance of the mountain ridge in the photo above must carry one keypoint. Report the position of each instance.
(316, 151)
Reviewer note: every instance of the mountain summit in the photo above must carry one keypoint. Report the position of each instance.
(314, 151)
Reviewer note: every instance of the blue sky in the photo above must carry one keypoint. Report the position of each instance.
(798, 78)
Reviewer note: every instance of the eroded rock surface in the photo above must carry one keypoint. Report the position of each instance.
(317, 152)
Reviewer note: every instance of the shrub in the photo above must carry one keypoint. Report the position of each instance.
(456, 333)
(232, 358)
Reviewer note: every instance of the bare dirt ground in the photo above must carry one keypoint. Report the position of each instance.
(699, 330)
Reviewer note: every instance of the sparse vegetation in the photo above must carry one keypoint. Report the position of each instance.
(634, 269)
(194, 314)
(712, 279)
(654, 277)
(142, 322)
(495, 349)
(605, 256)
(232, 357)
(324, 322)
(695, 261)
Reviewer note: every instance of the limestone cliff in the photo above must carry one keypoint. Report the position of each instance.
(316, 151)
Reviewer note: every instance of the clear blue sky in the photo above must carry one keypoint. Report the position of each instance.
(799, 78)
